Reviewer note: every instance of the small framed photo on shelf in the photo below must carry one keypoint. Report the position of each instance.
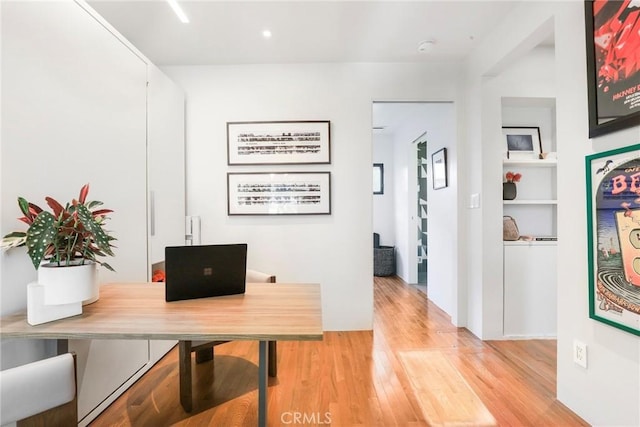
(278, 143)
(439, 168)
(522, 142)
(279, 193)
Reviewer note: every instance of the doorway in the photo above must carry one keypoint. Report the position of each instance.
(397, 216)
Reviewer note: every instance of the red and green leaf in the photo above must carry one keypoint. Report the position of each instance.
(39, 236)
(83, 193)
(34, 209)
(26, 220)
(13, 240)
(101, 212)
(24, 207)
(101, 238)
(55, 206)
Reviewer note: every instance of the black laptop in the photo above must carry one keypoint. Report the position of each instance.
(204, 271)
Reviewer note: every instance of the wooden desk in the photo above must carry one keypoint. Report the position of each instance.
(287, 312)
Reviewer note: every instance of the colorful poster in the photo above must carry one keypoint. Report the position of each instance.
(613, 59)
(613, 207)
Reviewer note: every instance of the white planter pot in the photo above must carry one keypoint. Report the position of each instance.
(38, 312)
(68, 284)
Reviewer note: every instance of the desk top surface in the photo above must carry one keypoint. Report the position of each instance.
(139, 311)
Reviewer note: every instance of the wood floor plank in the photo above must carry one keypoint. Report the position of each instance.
(357, 378)
(443, 394)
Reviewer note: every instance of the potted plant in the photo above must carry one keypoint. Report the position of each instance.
(509, 190)
(69, 240)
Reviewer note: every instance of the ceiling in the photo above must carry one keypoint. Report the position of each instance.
(230, 32)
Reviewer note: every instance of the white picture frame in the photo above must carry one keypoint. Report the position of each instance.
(278, 142)
(278, 193)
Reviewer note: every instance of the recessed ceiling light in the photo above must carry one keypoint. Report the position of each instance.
(178, 10)
(266, 34)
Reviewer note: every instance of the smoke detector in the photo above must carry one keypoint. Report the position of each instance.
(426, 46)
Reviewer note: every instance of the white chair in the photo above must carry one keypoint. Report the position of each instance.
(41, 393)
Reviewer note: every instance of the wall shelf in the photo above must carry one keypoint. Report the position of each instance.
(530, 202)
(543, 163)
(530, 266)
(530, 243)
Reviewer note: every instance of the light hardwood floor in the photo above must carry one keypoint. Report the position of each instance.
(364, 378)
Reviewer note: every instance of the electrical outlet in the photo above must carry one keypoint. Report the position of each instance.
(580, 353)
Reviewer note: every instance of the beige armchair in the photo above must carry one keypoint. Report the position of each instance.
(204, 350)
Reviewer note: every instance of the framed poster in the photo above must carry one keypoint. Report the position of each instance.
(279, 193)
(522, 142)
(613, 64)
(278, 143)
(439, 168)
(613, 218)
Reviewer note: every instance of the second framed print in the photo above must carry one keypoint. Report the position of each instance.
(274, 143)
(279, 193)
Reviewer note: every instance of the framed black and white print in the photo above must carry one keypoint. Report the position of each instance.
(278, 143)
(279, 193)
(613, 65)
(522, 141)
(439, 168)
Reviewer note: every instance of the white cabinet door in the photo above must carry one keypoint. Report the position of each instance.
(166, 169)
(104, 366)
(530, 275)
(165, 164)
(74, 111)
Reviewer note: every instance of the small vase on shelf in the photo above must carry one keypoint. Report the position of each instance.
(509, 190)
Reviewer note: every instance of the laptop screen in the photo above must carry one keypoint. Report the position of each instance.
(205, 271)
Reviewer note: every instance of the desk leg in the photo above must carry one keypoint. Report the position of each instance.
(184, 368)
(263, 382)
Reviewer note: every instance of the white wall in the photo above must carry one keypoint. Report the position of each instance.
(334, 250)
(532, 76)
(611, 379)
(438, 120)
(443, 236)
(383, 204)
(612, 353)
(529, 76)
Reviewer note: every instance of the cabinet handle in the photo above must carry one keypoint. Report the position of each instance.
(152, 213)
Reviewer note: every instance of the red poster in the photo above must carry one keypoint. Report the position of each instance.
(614, 56)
